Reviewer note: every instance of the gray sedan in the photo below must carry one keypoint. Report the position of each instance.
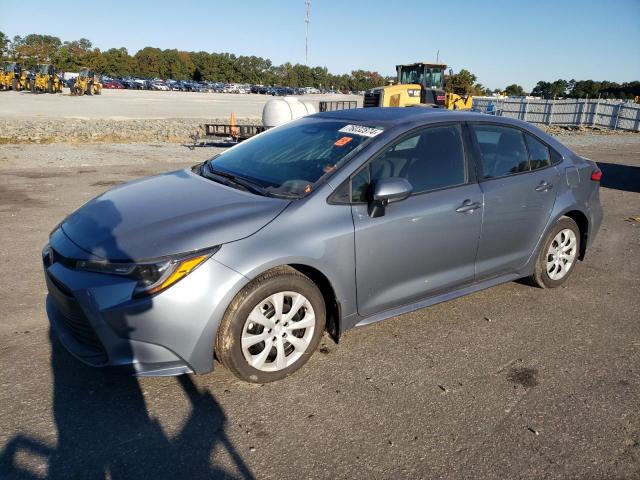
(329, 222)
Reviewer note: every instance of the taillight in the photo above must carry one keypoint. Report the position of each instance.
(596, 175)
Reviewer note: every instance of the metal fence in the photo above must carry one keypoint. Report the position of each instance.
(614, 114)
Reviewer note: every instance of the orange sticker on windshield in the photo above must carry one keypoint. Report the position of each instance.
(342, 141)
(307, 189)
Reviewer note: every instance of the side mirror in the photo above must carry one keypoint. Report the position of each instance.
(386, 191)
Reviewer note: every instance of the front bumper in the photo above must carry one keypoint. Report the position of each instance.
(96, 319)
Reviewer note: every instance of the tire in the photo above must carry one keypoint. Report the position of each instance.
(562, 248)
(258, 300)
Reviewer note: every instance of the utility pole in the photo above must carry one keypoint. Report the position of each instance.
(306, 38)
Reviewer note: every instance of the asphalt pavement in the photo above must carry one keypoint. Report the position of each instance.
(510, 382)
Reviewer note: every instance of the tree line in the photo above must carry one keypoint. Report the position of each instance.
(579, 89)
(153, 62)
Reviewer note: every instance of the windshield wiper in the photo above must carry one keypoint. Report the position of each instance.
(240, 181)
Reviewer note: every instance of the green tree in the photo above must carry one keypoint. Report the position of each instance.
(149, 62)
(514, 90)
(4, 45)
(542, 89)
(463, 83)
(118, 62)
(35, 48)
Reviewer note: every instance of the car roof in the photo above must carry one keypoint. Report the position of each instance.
(405, 118)
(398, 115)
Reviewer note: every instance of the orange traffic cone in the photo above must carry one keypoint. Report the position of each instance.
(232, 124)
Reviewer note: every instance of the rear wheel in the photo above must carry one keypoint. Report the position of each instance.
(558, 255)
(272, 327)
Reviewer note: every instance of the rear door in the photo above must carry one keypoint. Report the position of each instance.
(519, 185)
(426, 243)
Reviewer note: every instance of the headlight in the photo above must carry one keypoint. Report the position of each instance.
(151, 277)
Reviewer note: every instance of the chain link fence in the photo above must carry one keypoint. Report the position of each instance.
(613, 114)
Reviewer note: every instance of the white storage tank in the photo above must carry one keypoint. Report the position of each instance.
(282, 110)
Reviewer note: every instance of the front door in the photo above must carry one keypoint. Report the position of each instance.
(428, 242)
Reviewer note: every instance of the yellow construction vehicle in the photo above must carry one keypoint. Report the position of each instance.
(13, 77)
(87, 83)
(417, 84)
(46, 79)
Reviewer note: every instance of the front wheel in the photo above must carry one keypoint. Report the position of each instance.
(558, 255)
(272, 327)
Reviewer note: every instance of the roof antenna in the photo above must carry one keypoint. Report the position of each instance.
(438, 57)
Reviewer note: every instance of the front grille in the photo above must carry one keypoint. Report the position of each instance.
(73, 317)
(371, 99)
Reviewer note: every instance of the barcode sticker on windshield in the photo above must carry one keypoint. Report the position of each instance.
(360, 130)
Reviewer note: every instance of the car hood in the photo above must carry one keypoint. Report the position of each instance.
(167, 214)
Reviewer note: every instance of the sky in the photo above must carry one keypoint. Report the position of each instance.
(500, 41)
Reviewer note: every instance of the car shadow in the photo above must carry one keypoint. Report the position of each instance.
(104, 430)
(620, 177)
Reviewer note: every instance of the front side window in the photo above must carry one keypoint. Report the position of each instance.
(291, 159)
(502, 149)
(538, 153)
(431, 159)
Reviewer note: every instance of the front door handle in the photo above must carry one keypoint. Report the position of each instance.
(468, 206)
(544, 186)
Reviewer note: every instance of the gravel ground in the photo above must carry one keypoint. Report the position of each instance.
(126, 115)
(510, 382)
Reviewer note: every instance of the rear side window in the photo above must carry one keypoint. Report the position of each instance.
(502, 149)
(539, 156)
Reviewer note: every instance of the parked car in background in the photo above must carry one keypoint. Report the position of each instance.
(157, 85)
(332, 221)
(112, 84)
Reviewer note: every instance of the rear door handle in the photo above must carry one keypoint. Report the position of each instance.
(468, 206)
(544, 186)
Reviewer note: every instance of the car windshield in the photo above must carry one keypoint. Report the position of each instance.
(43, 69)
(291, 159)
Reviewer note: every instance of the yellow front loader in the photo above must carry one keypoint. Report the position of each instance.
(46, 79)
(87, 83)
(13, 77)
(417, 84)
